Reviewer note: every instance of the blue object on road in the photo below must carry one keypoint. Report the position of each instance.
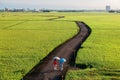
(62, 60)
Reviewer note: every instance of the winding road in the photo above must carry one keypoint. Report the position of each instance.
(68, 50)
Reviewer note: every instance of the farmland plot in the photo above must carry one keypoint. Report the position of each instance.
(26, 38)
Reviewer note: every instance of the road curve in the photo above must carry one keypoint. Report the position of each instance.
(44, 69)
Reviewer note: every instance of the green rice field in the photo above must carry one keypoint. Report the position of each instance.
(101, 49)
(26, 38)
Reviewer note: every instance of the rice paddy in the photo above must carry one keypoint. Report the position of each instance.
(26, 38)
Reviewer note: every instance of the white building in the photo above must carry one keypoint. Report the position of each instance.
(108, 8)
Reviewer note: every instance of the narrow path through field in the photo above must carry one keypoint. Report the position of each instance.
(14, 24)
(44, 69)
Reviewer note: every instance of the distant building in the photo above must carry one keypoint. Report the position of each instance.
(108, 8)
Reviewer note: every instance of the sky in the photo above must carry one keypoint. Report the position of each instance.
(60, 4)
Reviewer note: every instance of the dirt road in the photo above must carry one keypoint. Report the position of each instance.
(44, 69)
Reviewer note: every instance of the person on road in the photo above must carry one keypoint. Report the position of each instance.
(55, 63)
(61, 62)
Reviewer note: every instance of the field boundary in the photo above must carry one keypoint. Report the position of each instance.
(14, 25)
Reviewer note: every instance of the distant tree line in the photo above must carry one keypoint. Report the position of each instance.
(34, 10)
(114, 11)
(47, 10)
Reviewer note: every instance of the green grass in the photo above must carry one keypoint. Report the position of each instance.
(93, 74)
(101, 49)
(24, 43)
